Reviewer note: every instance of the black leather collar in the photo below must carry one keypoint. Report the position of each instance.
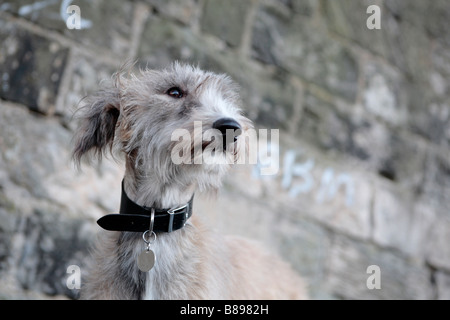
(136, 218)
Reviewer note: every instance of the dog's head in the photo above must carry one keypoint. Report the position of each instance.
(178, 123)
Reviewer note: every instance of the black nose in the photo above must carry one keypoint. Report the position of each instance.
(234, 129)
(224, 124)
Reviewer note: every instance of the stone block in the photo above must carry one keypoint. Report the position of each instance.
(6, 230)
(31, 68)
(401, 160)
(402, 42)
(306, 8)
(50, 242)
(400, 222)
(443, 285)
(270, 103)
(328, 127)
(430, 117)
(384, 94)
(430, 102)
(296, 44)
(31, 148)
(87, 75)
(306, 246)
(400, 278)
(35, 153)
(439, 78)
(392, 154)
(348, 18)
(436, 180)
(386, 150)
(341, 200)
(225, 20)
(184, 11)
(435, 22)
(163, 42)
(103, 23)
(438, 249)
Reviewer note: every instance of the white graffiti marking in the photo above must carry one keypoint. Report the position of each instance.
(298, 178)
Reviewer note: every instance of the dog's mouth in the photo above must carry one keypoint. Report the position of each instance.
(213, 149)
(218, 146)
(205, 144)
(221, 145)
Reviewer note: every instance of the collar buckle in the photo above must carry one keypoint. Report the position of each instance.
(172, 212)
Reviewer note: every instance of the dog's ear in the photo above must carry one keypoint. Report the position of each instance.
(97, 124)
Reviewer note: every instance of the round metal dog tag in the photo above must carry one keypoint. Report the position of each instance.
(146, 260)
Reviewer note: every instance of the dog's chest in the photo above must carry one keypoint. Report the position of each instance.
(175, 270)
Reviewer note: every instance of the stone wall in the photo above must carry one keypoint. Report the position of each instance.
(364, 120)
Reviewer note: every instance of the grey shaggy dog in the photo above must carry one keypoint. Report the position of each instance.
(137, 115)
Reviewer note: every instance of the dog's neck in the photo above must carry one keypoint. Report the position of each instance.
(146, 189)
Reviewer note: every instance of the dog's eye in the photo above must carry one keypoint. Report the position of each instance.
(175, 92)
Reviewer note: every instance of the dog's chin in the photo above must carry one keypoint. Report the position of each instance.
(208, 173)
(207, 165)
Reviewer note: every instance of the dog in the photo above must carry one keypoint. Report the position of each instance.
(138, 115)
